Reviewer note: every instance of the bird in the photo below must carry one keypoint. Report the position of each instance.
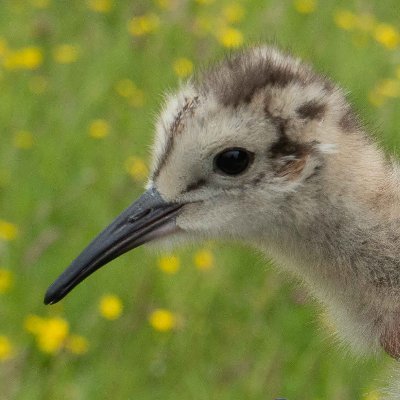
(261, 148)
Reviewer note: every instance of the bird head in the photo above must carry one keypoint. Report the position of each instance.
(233, 150)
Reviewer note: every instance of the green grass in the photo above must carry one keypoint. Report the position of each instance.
(246, 332)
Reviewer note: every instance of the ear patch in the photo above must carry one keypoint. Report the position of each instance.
(292, 166)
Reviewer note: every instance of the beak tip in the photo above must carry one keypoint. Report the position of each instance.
(50, 297)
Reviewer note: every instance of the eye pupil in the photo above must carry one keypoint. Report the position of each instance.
(232, 161)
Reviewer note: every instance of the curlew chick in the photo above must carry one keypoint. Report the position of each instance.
(263, 149)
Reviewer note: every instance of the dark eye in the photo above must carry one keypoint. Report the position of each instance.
(232, 161)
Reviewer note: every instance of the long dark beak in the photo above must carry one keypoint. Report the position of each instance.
(148, 218)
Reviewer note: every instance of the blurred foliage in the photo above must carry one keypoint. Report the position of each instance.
(80, 83)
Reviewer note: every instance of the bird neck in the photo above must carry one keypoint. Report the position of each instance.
(346, 248)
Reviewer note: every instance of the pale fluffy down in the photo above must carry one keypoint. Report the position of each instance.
(320, 197)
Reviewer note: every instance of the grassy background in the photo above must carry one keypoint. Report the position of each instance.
(244, 332)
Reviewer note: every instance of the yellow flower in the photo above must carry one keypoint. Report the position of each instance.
(6, 280)
(100, 6)
(143, 25)
(6, 348)
(25, 58)
(373, 395)
(66, 53)
(162, 320)
(125, 88)
(169, 264)
(389, 88)
(99, 128)
(305, 6)
(165, 4)
(52, 334)
(77, 344)
(110, 307)
(38, 84)
(34, 324)
(345, 19)
(8, 231)
(205, 2)
(204, 259)
(230, 37)
(183, 67)
(387, 35)
(136, 168)
(233, 12)
(23, 140)
(40, 3)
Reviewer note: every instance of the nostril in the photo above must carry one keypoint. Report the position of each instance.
(138, 216)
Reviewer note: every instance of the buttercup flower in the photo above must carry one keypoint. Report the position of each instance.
(136, 168)
(169, 264)
(8, 230)
(305, 6)
(389, 88)
(204, 259)
(41, 3)
(373, 395)
(100, 6)
(125, 88)
(6, 280)
(51, 334)
(183, 67)
(162, 320)
(230, 37)
(345, 19)
(26, 58)
(6, 348)
(205, 2)
(165, 4)
(387, 35)
(143, 25)
(110, 307)
(99, 129)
